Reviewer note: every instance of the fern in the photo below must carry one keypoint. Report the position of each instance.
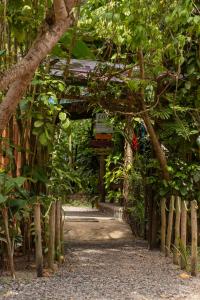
(163, 114)
(179, 128)
(180, 109)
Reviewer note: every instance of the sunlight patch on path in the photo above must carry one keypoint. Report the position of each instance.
(85, 224)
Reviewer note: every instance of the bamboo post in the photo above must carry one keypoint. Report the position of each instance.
(51, 243)
(57, 231)
(163, 224)
(169, 227)
(38, 240)
(183, 233)
(194, 249)
(62, 222)
(177, 231)
(10, 249)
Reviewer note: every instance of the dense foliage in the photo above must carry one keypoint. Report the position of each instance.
(149, 71)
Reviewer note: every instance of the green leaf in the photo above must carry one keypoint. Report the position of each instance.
(196, 177)
(3, 240)
(2, 198)
(38, 123)
(61, 86)
(17, 203)
(35, 131)
(19, 34)
(183, 191)
(19, 181)
(162, 192)
(2, 52)
(82, 51)
(9, 185)
(191, 69)
(57, 51)
(67, 126)
(66, 39)
(43, 139)
(47, 134)
(188, 85)
(133, 85)
(37, 81)
(62, 116)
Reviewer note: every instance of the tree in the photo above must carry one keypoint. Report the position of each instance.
(140, 35)
(16, 79)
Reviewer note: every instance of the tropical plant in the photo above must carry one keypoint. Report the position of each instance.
(8, 196)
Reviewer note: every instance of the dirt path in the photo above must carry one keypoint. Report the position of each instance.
(103, 266)
(89, 225)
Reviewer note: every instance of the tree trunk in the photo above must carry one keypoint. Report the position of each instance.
(128, 160)
(149, 200)
(145, 215)
(154, 228)
(194, 250)
(57, 231)
(163, 224)
(51, 246)
(22, 130)
(160, 154)
(12, 142)
(170, 225)
(38, 240)
(9, 242)
(183, 233)
(152, 218)
(177, 231)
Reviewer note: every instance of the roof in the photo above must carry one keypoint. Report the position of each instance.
(81, 69)
(78, 73)
(77, 108)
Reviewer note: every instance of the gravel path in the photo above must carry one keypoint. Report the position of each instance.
(114, 269)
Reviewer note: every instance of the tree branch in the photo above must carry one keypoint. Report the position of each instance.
(9, 104)
(60, 10)
(152, 133)
(43, 44)
(18, 77)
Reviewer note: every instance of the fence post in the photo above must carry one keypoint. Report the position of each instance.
(177, 231)
(38, 240)
(183, 233)
(57, 231)
(163, 224)
(194, 250)
(169, 227)
(51, 242)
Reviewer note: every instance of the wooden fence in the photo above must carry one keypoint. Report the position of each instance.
(179, 232)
